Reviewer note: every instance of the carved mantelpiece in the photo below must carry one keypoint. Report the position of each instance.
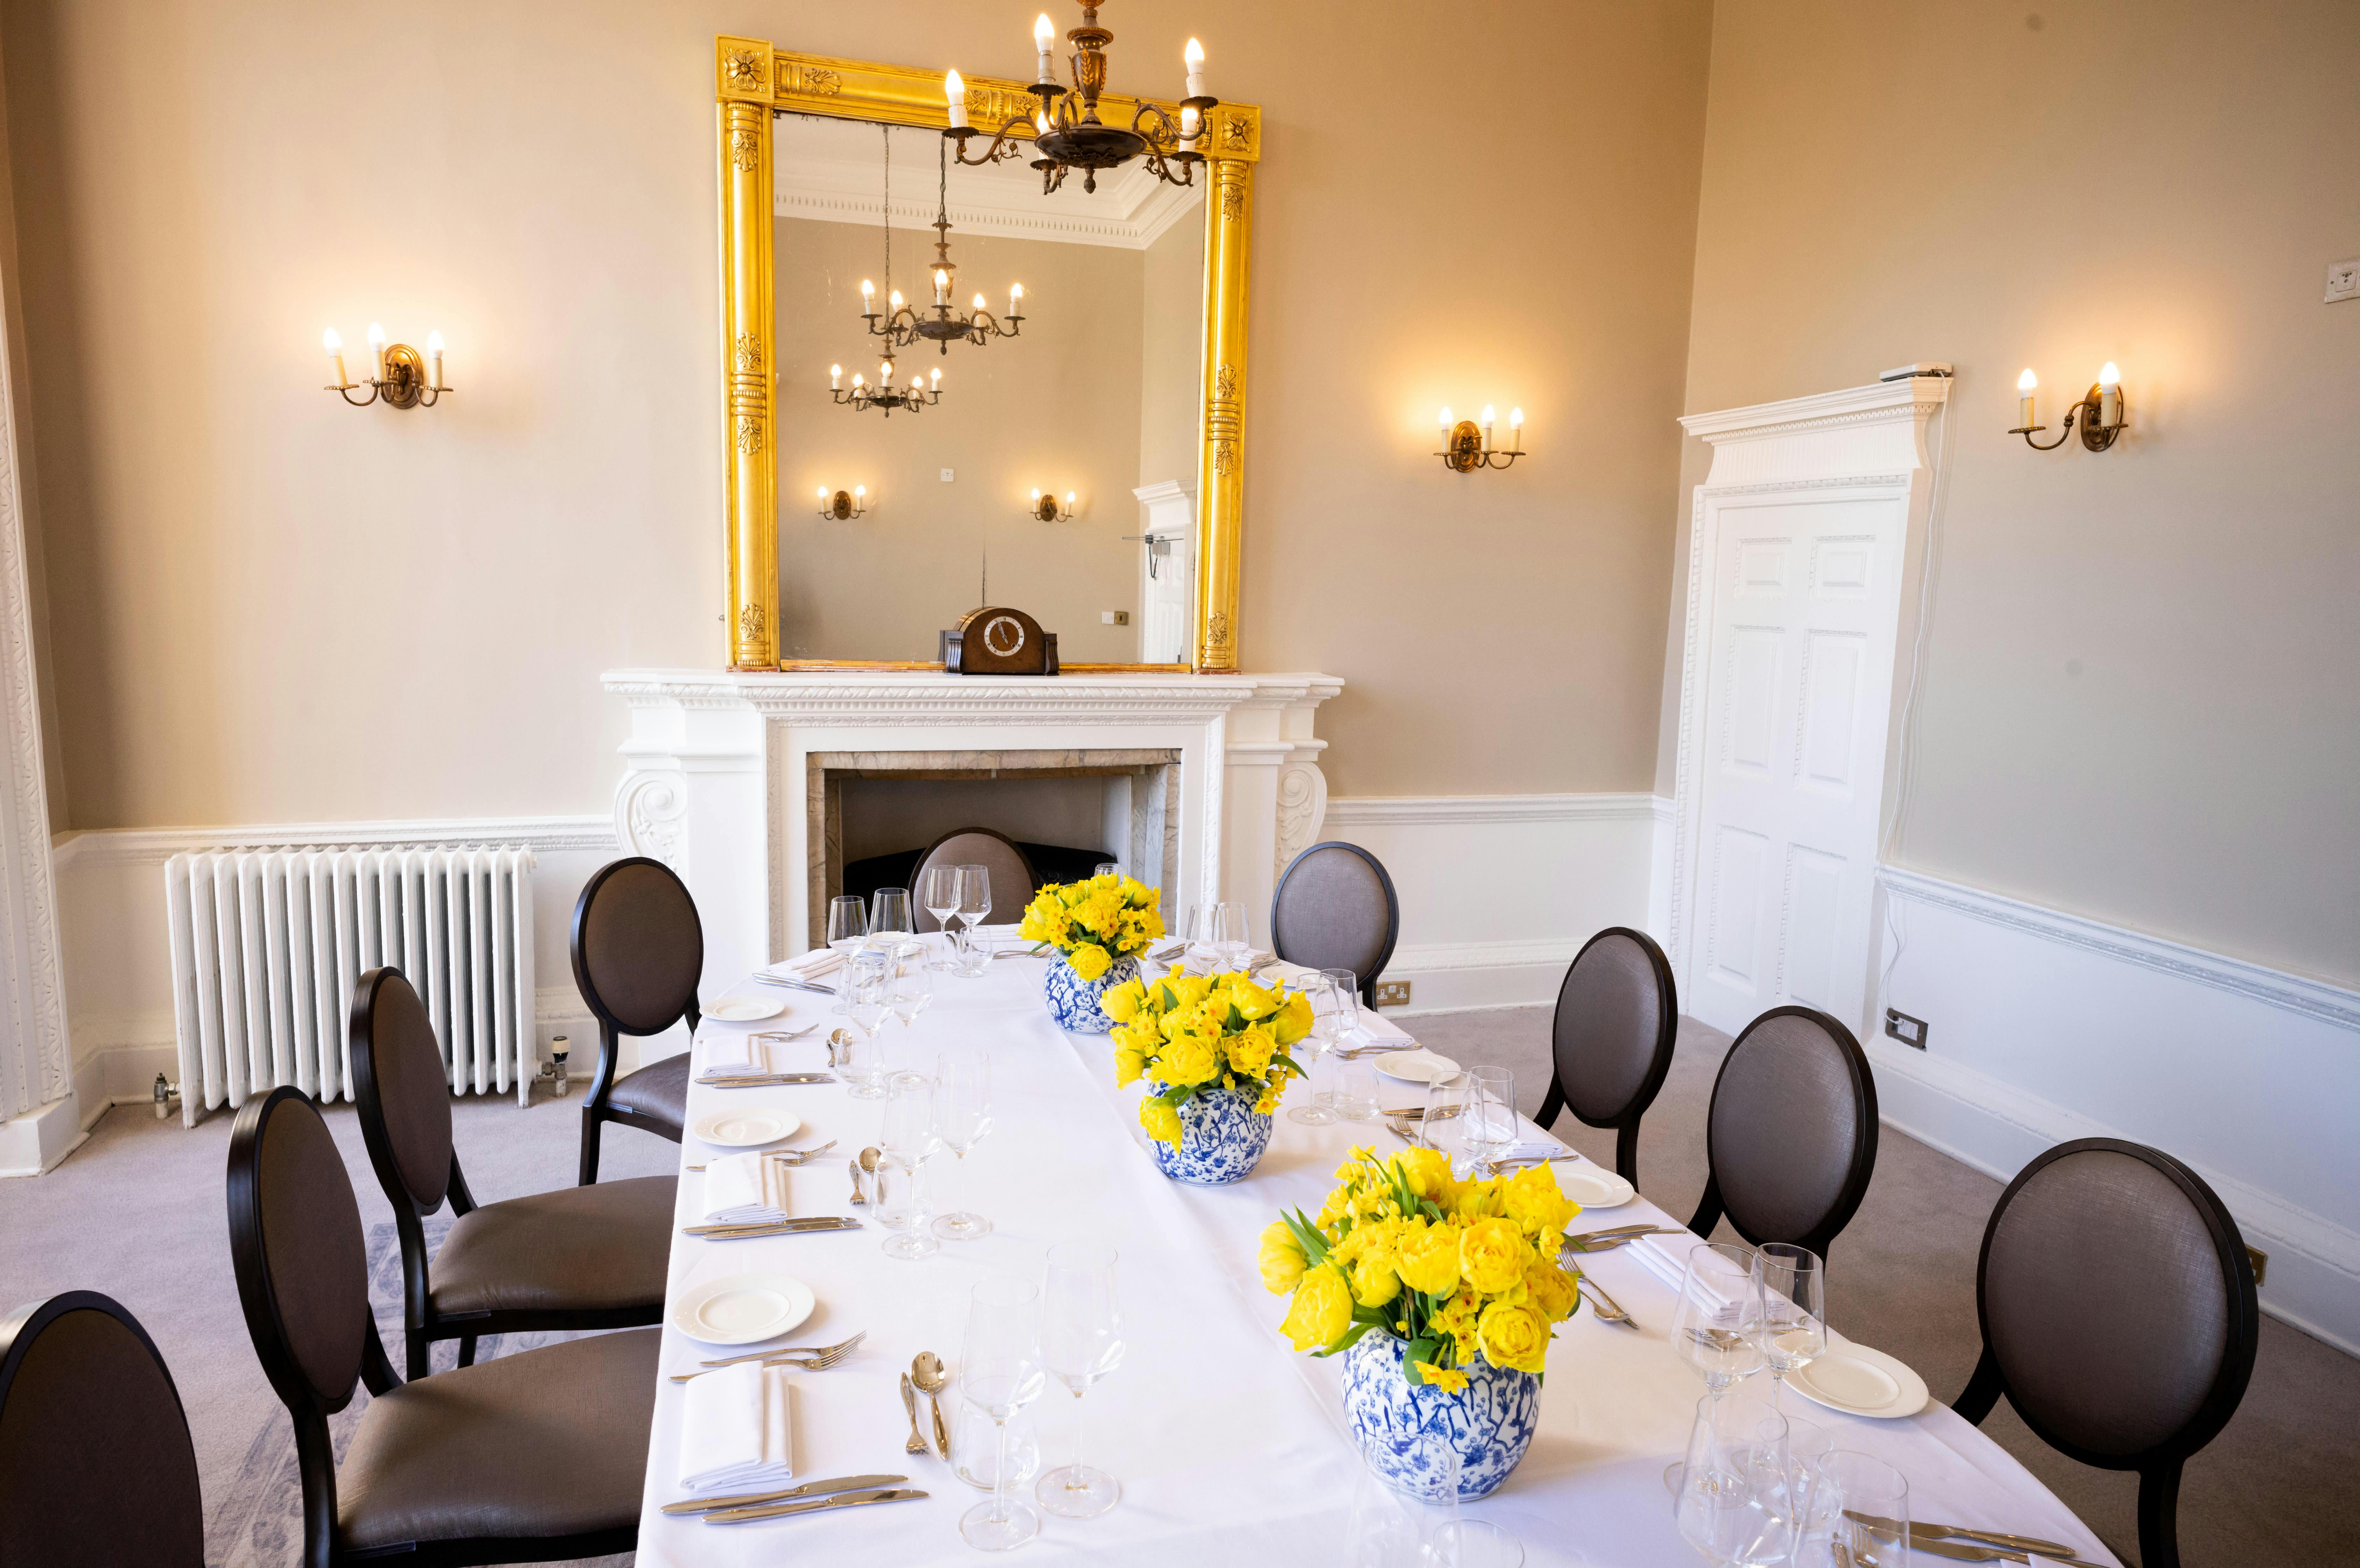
(717, 772)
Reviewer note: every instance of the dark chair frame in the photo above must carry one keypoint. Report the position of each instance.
(1392, 910)
(315, 1455)
(1625, 1122)
(2159, 1468)
(1015, 848)
(423, 1324)
(1710, 1209)
(595, 1108)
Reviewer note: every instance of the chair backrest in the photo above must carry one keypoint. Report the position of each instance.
(404, 1099)
(295, 1242)
(1013, 880)
(1335, 908)
(96, 1460)
(638, 948)
(1617, 1017)
(2118, 1302)
(1791, 1135)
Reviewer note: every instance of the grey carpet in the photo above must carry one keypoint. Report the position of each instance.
(1901, 1278)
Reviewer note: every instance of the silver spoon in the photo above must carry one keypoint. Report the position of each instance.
(866, 1162)
(926, 1371)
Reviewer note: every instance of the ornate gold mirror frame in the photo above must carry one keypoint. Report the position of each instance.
(753, 81)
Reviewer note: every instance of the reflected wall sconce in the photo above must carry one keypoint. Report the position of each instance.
(1049, 509)
(404, 379)
(844, 505)
(2100, 412)
(1467, 446)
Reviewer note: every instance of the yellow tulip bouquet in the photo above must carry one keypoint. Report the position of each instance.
(1453, 1268)
(1094, 922)
(1191, 1034)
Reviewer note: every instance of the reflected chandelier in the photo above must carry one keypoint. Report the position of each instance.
(902, 326)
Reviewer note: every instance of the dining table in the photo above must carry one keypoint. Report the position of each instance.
(1229, 1446)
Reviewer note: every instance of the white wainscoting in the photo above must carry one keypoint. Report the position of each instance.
(2045, 1026)
(1498, 892)
(118, 964)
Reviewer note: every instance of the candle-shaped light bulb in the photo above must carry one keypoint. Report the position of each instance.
(376, 346)
(1515, 429)
(1040, 124)
(2109, 376)
(1487, 423)
(434, 357)
(2027, 385)
(868, 298)
(835, 379)
(979, 305)
(1069, 503)
(942, 286)
(1194, 54)
(1015, 299)
(1036, 495)
(823, 491)
(860, 491)
(894, 302)
(858, 384)
(955, 94)
(1446, 418)
(1043, 41)
(885, 373)
(335, 347)
(937, 377)
(1190, 121)
(2110, 396)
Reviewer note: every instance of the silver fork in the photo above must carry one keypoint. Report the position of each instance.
(791, 1156)
(788, 1350)
(820, 1363)
(1603, 1305)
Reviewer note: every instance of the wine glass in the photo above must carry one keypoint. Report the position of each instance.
(889, 913)
(1404, 1497)
(999, 1374)
(1081, 1342)
(1849, 1487)
(913, 983)
(938, 895)
(974, 904)
(1320, 1110)
(848, 924)
(909, 1138)
(1233, 940)
(867, 988)
(1794, 1326)
(1717, 1322)
(1732, 1504)
(1108, 868)
(962, 1118)
(897, 1197)
(1488, 1125)
(1196, 938)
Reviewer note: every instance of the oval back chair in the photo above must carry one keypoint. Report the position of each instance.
(1790, 1139)
(1335, 909)
(1617, 1019)
(639, 951)
(1013, 880)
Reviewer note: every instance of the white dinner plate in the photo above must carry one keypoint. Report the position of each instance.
(1593, 1186)
(746, 1009)
(746, 1128)
(1420, 1066)
(740, 1309)
(1860, 1382)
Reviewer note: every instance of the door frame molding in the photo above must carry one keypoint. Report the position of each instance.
(1855, 443)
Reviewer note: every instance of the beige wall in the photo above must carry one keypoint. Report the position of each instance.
(266, 607)
(1057, 407)
(2139, 699)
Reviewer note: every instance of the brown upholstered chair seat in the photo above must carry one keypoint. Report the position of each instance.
(658, 1090)
(577, 1248)
(550, 1443)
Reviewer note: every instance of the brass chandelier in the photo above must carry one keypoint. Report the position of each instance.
(1066, 131)
(900, 326)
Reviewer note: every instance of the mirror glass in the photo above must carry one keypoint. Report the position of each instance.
(1096, 395)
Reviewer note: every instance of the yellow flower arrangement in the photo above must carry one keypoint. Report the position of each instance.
(1192, 1033)
(1455, 1270)
(1094, 922)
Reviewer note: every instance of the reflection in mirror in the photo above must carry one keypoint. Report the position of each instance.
(1090, 401)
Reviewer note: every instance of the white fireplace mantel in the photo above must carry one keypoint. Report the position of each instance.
(715, 780)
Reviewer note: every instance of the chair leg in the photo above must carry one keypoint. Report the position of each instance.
(466, 1350)
(1982, 1390)
(1552, 1104)
(590, 1119)
(421, 1350)
(2159, 1516)
(1626, 1153)
(1708, 1212)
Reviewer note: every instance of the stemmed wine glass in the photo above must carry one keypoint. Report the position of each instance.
(1231, 938)
(999, 1374)
(848, 925)
(1733, 1503)
(910, 1140)
(974, 904)
(1108, 869)
(1717, 1322)
(1794, 1326)
(1326, 1035)
(962, 1118)
(867, 988)
(913, 983)
(1081, 1342)
(889, 914)
(938, 894)
(1849, 1488)
(1488, 1125)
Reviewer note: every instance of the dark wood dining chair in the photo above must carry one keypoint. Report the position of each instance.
(1013, 880)
(1790, 1139)
(578, 1258)
(534, 1457)
(639, 951)
(1335, 909)
(96, 1460)
(1611, 1040)
(2119, 1317)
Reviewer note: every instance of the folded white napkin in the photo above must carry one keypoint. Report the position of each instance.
(745, 1189)
(1541, 1146)
(811, 965)
(733, 1429)
(734, 1055)
(1666, 1257)
(1373, 1030)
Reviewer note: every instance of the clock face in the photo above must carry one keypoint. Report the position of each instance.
(1003, 635)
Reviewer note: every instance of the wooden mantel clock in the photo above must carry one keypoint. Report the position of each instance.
(992, 641)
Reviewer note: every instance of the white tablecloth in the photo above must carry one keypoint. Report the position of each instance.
(1229, 1446)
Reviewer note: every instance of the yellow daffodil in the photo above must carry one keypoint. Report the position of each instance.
(1250, 1050)
(1321, 1310)
(1449, 1380)
(1427, 1259)
(1190, 1059)
(1121, 1002)
(1491, 1256)
(1551, 1289)
(1128, 1065)
(1513, 1336)
(1535, 1201)
(1250, 1000)
(1428, 1170)
(1282, 1258)
(1374, 1279)
(1293, 1022)
(1089, 959)
(1160, 1120)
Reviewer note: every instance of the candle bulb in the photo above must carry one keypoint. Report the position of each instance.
(1446, 418)
(1069, 503)
(981, 308)
(955, 93)
(2025, 386)
(1040, 124)
(1190, 121)
(1487, 423)
(858, 384)
(1043, 41)
(885, 373)
(868, 298)
(434, 357)
(376, 346)
(335, 347)
(1015, 299)
(859, 492)
(942, 286)
(2110, 396)
(835, 379)
(1195, 56)
(823, 491)
(1515, 429)
(894, 302)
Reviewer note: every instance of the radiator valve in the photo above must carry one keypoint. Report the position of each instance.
(559, 1047)
(165, 1094)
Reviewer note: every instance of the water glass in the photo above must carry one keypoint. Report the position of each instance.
(866, 988)
(889, 913)
(1232, 938)
(974, 1451)
(1733, 1504)
(1405, 1496)
(1320, 1109)
(1794, 1310)
(848, 921)
(1847, 1484)
(1081, 1342)
(999, 1374)
(912, 983)
(1488, 1123)
(1343, 1000)
(1476, 1543)
(1356, 1089)
(938, 896)
(910, 1134)
(962, 1119)
(1108, 868)
(1717, 1322)
(897, 1195)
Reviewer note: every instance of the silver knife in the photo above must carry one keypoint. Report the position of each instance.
(791, 1227)
(1986, 1537)
(780, 1510)
(1964, 1551)
(809, 1490)
(796, 984)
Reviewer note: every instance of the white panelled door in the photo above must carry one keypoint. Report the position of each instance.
(1796, 686)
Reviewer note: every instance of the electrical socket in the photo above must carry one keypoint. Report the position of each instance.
(948, 473)
(2261, 1262)
(2343, 281)
(1909, 1031)
(1392, 993)
(1114, 618)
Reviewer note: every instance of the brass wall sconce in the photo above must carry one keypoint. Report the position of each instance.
(2100, 412)
(1467, 446)
(844, 505)
(404, 379)
(1049, 509)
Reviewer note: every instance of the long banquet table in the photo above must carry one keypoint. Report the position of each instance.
(1229, 1446)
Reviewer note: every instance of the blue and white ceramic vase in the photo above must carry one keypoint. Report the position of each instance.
(1221, 1136)
(1073, 1001)
(1490, 1422)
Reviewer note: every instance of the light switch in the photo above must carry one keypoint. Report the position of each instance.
(2342, 280)
(946, 475)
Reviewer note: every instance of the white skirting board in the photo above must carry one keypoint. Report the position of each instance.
(2044, 1027)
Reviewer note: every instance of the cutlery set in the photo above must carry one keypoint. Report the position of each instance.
(802, 1358)
(772, 1228)
(795, 985)
(790, 1157)
(851, 1492)
(1971, 1545)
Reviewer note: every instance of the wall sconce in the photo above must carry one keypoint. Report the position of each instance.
(845, 505)
(1465, 446)
(404, 379)
(1049, 509)
(2100, 411)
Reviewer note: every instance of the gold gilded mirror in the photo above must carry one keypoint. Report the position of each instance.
(1121, 387)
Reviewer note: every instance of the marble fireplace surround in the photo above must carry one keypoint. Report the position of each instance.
(721, 770)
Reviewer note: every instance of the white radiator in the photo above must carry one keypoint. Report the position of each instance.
(266, 945)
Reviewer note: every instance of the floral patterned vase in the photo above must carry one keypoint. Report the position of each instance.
(1073, 1001)
(1221, 1138)
(1491, 1422)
